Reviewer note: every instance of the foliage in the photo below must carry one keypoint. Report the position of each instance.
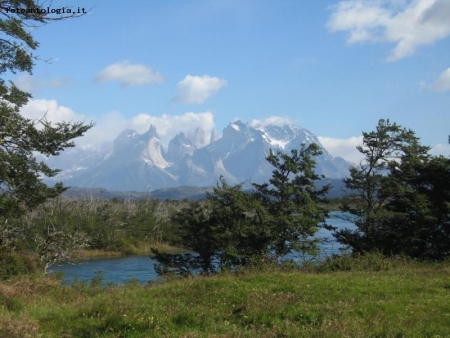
(224, 231)
(241, 224)
(58, 243)
(196, 231)
(59, 227)
(401, 196)
(291, 200)
(233, 228)
(21, 185)
(20, 174)
(16, 264)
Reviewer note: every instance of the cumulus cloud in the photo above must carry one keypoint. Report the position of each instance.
(407, 23)
(38, 109)
(31, 84)
(168, 126)
(345, 148)
(197, 89)
(274, 120)
(442, 83)
(128, 75)
(109, 125)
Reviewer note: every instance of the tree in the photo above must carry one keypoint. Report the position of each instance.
(292, 200)
(399, 195)
(20, 174)
(234, 228)
(21, 186)
(367, 184)
(419, 226)
(243, 236)
(222, 231)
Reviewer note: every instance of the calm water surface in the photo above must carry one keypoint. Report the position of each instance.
(123, 269)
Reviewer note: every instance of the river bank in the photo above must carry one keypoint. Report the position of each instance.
(141, 249)
(374, 297)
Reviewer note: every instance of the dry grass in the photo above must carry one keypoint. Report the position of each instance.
(18, 327)
(141, 249)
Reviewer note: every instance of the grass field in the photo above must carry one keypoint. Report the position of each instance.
(373, 298)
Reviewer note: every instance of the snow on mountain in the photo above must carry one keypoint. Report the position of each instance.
(240, 153)
(139, 161)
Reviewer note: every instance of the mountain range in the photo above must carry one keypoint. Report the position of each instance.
(140, 162)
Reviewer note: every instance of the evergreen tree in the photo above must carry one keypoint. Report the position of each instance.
(399, 195)
(243, 235)
(20, 174)
(291, 200)
(21, 186)
(233, 228)
(420, 206)
(224, 231)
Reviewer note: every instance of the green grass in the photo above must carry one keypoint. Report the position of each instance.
(393, 299)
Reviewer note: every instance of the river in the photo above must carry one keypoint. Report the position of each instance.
(123, 269)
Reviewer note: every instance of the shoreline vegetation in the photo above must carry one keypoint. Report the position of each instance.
(142, 249)
(344, 297)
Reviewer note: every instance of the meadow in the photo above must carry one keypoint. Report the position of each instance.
(367, 296)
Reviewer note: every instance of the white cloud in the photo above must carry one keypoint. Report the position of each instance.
(274, 120)
(345, 148)
(197, 89)
(441, 149)
(30, 84)
(128, 75)
(38, 109)
(442, 83)
(406, 23)
(168, 126)
(109, 125)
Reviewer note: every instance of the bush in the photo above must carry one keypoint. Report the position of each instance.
(125, 246)
(15, 264)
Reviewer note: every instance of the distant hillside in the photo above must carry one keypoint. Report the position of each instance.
(174, 193)
(177, 193)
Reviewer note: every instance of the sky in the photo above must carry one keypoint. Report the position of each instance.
(332, 67)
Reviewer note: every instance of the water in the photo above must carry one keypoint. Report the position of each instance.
(140, 268)
(330, 246)
(113, 270)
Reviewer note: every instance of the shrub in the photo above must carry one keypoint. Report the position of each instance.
(15, 264)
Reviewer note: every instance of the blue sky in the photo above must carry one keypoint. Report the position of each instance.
(333, 67)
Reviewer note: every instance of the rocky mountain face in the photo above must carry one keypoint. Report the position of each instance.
(140, 162)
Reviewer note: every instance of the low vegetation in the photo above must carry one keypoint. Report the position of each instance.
(349, 297)
(63, 229)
